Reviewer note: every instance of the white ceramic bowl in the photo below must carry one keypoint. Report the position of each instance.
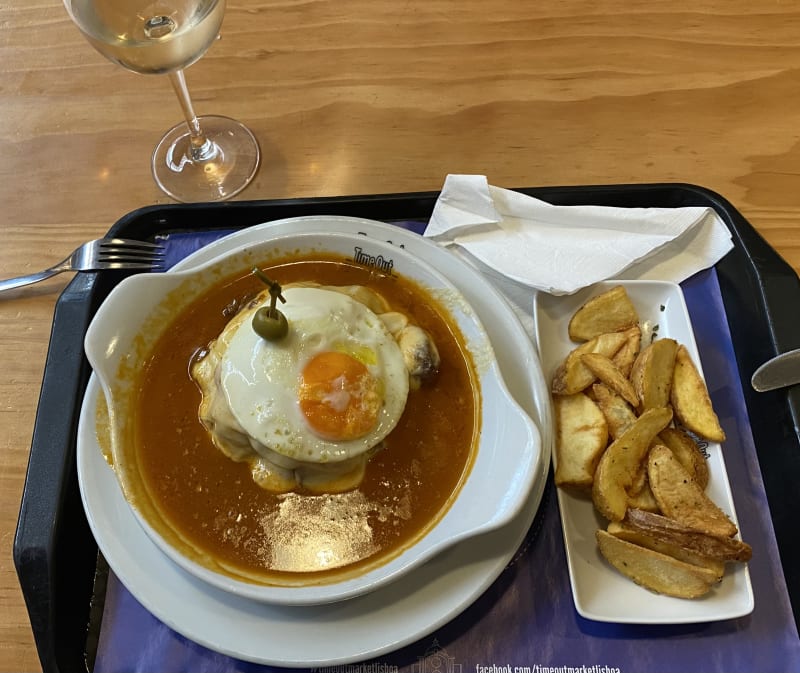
(505, 465)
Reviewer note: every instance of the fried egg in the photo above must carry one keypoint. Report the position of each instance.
(332, 389)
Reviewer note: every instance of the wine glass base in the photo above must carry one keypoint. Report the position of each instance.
(232, 161)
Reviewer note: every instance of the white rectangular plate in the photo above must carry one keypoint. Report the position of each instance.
(599, 591)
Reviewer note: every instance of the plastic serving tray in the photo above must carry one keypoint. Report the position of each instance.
(57, 561)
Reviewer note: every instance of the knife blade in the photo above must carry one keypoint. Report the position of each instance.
(781, 371)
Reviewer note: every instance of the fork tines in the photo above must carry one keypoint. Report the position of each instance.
(124, 250)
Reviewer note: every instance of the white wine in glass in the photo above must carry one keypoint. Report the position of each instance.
(208, 158)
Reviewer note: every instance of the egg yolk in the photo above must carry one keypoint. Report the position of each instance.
(338, 396)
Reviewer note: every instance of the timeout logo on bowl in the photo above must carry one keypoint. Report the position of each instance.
(379, 262)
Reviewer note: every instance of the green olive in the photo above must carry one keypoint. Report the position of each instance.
(270, 324)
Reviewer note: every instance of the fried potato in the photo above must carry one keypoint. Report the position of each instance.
(611, 311)
(581, 438)
(652, 373)
(644, 500)
(619, 414)
(680, 497)
(687, 452)
(605, 370)
(653, 570)
(640, 495)
(668, 530)
(712, 569)
(639, 481)
(620, 462)
(627, 354)
(690, 400)
(573, 376)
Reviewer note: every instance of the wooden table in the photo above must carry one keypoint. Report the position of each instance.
(357, 97)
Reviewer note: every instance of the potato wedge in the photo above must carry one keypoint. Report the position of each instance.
(687, 452)
(627, 354)
(710, 568)
(610, 311)
(620, 462)
(652, 373)
(640, 495)
(573, 376)
(581, 438)
(690, 400)
(619, 414)
(653, 570)
(681, 498)
(639, 481)
(605, 370)
(665, 529)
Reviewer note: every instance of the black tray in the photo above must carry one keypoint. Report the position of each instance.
(56, 557)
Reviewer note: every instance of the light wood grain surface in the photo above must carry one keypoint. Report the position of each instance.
(358, 97)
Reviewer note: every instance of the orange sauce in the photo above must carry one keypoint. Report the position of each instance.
(213, 503)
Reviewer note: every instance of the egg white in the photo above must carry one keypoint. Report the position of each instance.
(260, 379)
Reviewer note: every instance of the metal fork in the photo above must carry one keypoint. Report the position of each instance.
(97, 255)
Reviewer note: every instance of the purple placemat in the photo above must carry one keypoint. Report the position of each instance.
(526, 622)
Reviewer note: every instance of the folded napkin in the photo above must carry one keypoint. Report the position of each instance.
(561, 249)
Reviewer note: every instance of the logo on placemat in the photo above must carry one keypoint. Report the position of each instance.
(436, 660)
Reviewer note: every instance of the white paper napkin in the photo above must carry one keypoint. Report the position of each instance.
(561, 249)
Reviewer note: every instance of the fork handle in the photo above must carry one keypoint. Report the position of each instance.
(22, 281)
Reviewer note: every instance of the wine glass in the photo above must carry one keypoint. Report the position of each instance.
(208, 158)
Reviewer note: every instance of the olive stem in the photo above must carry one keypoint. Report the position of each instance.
(274, 287)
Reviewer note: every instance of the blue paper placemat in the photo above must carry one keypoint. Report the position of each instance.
(526, 622)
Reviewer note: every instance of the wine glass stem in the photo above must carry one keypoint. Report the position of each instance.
(202, 149)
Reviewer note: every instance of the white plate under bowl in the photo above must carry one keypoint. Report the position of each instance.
(507, 453)
(599, 591)
(362, 627)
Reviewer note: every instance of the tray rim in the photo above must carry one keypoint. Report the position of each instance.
(61, 638)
